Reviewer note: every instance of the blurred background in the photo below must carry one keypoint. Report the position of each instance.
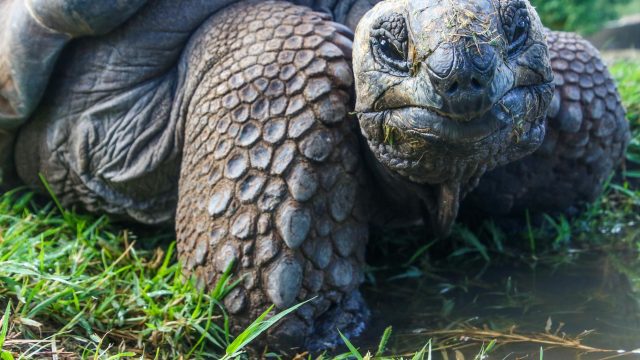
(584, 16)
(612, 25)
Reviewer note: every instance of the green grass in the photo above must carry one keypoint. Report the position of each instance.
(627, 75)
(585, 16)
(80, 286)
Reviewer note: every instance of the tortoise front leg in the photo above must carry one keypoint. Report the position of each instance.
(271, 175)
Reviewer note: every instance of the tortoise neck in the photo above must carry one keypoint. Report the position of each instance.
(398, 202)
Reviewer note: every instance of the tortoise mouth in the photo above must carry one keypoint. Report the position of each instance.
(433, 126)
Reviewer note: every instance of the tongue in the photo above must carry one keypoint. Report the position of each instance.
(447, 203)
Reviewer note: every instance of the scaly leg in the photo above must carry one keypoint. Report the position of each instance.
(271, 175)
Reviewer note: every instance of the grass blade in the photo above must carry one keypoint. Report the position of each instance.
(259, 326)
(5, 355)
(5, 324)
(383, 342)
(352, 348)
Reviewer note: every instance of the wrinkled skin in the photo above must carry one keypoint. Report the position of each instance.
(231, 120)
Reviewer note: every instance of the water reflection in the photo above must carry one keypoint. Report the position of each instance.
(586, 301)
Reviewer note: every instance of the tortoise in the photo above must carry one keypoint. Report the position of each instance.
(274, 133)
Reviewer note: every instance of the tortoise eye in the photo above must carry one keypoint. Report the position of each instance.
(390, 50)
(520, 30)
(516, 24)
(390, 53)
(389, 43)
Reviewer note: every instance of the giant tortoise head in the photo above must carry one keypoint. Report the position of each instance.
(449, 89)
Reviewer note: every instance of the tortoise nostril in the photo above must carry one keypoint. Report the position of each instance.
(476, 84)
(453, 88)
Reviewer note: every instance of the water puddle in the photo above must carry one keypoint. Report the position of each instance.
(572, 307)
